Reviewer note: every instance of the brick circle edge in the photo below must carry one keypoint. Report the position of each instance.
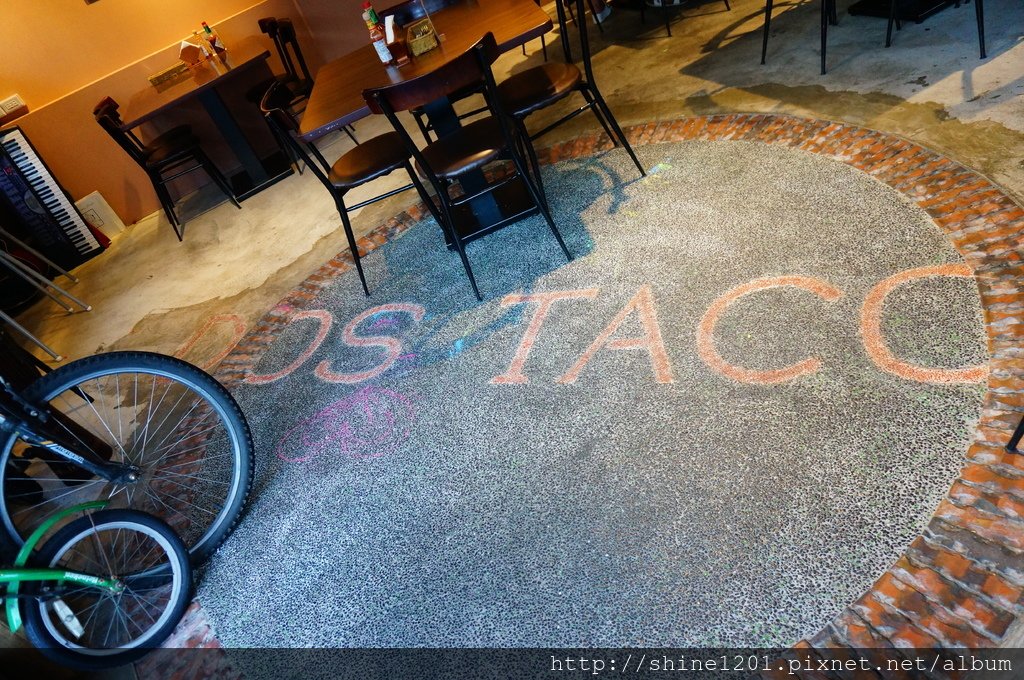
(960, 583)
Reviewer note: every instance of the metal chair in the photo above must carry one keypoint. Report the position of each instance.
(466, 149)
(979, 15)
(171, 155)
(828, 16)
(366, 162)
(544, 85)
(410, 11)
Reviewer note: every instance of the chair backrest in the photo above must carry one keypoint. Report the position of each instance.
(584, 37)
(105, 113)
(274, 107)
(466, 69)
(472, 66)
(290, 42)
(411, 10)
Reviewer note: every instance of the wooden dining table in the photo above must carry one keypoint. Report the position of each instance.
(337, 96)
(203, 83)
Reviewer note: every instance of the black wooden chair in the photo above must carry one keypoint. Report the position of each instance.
(466, 149)
(828, 16)
(411, 10)
(541, 86)
(366, 162)
(171, 155)
(979, 15)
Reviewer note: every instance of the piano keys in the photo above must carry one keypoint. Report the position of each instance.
(35, 207)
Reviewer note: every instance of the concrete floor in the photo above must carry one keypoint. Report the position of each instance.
(151, 292)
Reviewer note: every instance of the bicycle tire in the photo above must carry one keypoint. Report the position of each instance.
(200, 453)
(145, 555)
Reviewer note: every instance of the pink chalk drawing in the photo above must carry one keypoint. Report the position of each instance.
(369, 423)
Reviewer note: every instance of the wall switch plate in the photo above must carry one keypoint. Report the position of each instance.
(11, 103)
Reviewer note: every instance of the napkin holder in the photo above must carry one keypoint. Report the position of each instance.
(420, 37)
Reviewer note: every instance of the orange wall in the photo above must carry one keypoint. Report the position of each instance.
(81, 156)
(50, 47)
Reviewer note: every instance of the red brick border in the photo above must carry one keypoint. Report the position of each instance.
(961, 582)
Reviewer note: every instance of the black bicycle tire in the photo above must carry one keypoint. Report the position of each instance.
(60, 379)
(35, 628)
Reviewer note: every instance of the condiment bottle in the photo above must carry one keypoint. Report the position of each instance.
(376, 33)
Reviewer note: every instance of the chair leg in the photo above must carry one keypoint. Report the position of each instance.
(833, 16)
(767, 25)
(424, 130)
(597, 113)
(352, 247)
(599, 100)
(217, 177)
(544, 48)
(350, 131)
(457, 242)
(668, 22)
(892, 20)
(727, 8)
(824, 32)
(424, 196)
(539, 200)
(531, 153)
(319, 157)
(167, 203)
(979, 12)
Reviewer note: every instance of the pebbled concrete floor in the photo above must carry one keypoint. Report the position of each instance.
(632, 505)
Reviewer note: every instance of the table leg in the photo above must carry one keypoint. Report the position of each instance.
(255, 176)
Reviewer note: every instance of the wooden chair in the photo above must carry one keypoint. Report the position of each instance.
(366, 162)
(979, 15)
(409, 11)
(544, 85)
(178, 154)
(828, 16)
(467, 149)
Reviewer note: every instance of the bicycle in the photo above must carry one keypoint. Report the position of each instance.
(103, 590)
(140, 430)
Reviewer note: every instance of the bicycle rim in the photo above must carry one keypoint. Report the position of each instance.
(175, 423)
(143, 559)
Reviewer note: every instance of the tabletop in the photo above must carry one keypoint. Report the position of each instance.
(152, 101)
(337, 97)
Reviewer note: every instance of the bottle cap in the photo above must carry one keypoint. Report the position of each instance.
(366, 5)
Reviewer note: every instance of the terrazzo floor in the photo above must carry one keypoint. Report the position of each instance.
(669, 491)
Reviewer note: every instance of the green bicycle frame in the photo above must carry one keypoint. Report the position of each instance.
(15, 576)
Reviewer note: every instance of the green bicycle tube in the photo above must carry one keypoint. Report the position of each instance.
(13, 612)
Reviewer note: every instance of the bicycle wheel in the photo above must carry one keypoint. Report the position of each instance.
(180, 428)
(89, 627)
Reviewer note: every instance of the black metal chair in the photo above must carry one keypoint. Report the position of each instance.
(544, 85)
(828, 16)
(179, 154)
(979, 15)
(666, 12)
(366, 162)
(410, 11)
(467, 149)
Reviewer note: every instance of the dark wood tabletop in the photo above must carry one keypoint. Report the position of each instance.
(337, 97)
(152, 101)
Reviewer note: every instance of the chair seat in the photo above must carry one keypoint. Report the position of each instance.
(540, 86)
(371, 159)
(160, 155)
(171, 137)
(468, 148)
